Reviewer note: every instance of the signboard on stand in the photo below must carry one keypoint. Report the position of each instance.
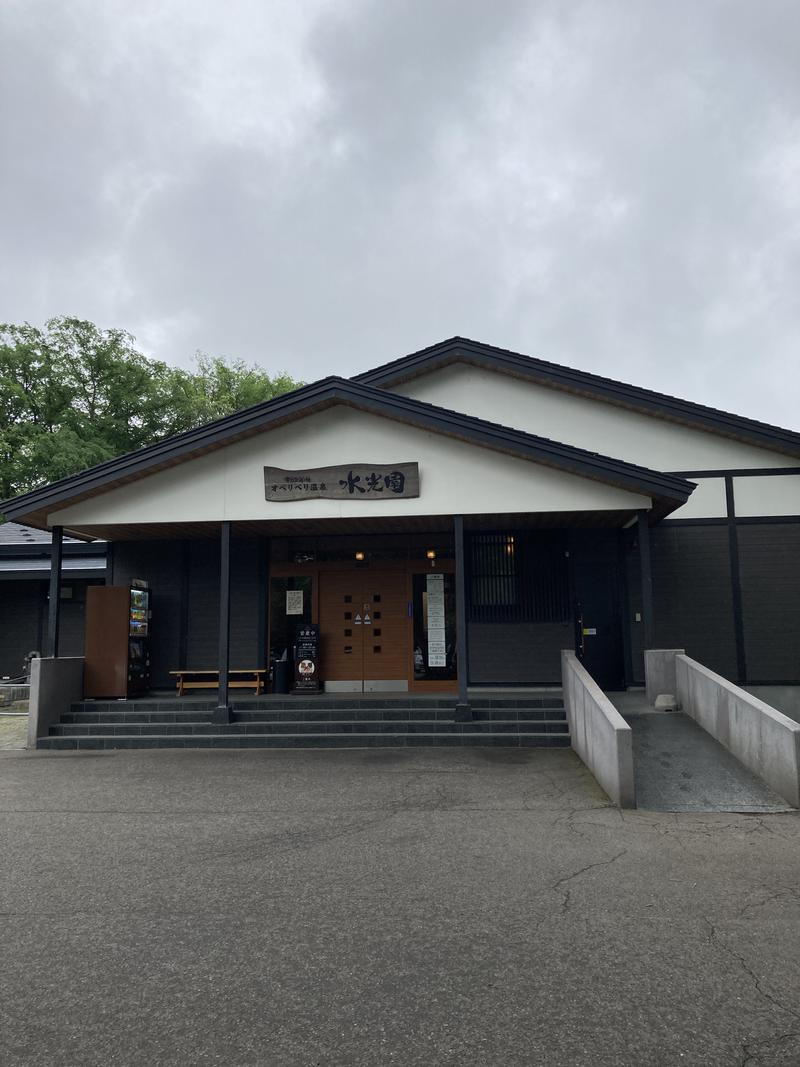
(306, 659)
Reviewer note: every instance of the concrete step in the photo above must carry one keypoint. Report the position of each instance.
(352, 726)
(315, 740)
(323, 702)
(349, 714)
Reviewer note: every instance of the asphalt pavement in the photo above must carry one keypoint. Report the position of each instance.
(466, 906)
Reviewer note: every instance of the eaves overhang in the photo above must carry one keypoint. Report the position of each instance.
(666, 490)
(581, 383)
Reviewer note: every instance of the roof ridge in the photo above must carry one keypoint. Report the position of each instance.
(420, 358)
(526, 434)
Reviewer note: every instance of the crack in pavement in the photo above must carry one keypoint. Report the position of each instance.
(589, 866)
(715, 939)
(750, 1049)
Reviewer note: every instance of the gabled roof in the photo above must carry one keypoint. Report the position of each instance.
(11, 533)
(463, 350)
(18, 540)
(668, 491)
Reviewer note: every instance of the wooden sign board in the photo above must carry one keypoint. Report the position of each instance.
(350, 481)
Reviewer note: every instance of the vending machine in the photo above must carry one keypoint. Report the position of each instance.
(117, 647)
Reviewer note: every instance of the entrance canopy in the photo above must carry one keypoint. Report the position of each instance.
(399, 463)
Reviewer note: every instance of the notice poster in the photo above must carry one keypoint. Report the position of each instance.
(306, 658)
(437, 643)
(294, 601)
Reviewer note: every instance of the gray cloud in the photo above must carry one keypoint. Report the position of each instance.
(322, 186)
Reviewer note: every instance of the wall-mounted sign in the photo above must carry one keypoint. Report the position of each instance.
(437, 643)
(351, 481)
(294, 601)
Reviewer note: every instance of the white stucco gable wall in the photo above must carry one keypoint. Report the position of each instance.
(591, 424)
(455, 477)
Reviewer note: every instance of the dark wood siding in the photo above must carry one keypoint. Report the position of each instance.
(692, 595)
(769, 566)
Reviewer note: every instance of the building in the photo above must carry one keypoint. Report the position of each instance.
(457, 516)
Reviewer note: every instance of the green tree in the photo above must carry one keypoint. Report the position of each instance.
(73, 395)
(219, 388)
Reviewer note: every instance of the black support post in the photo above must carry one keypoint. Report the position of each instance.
(264, 556)
(223, 710)
(647, 580)
(183, 617)
(736, 584)
(54, 607)
(463, 709)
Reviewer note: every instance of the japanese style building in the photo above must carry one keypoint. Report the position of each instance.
(456, 517)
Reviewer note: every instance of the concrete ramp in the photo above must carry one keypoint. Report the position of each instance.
(680, 767)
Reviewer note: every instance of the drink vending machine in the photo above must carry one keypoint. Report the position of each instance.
(117, 646)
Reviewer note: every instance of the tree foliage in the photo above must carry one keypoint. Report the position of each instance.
(73, 395)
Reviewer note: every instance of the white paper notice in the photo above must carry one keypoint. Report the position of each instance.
(294, 601)
(437, 641)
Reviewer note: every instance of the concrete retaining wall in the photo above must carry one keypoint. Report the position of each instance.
(55, 684)
(659, 671)
(600, 735)
(784, 698)
(766, 741)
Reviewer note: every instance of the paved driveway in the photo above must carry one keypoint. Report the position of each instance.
(384, 907)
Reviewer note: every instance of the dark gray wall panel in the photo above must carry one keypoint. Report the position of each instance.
(597, 588)
(633, 580)
(247, 575)
(23, 613)
(23, 621)
(202, 639)
(159, 563)
(769, 566)
(73, 619)
(203, 614)
(692, 598)
(517, 652)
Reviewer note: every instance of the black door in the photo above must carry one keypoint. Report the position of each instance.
(598, 624)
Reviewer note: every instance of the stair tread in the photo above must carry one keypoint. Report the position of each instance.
(334, 722)
(144, 737)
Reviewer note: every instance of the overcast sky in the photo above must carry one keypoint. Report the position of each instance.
(322, 186)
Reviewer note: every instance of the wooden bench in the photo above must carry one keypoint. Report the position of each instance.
(255, 678)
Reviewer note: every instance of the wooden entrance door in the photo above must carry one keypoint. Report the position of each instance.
(364, 628)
